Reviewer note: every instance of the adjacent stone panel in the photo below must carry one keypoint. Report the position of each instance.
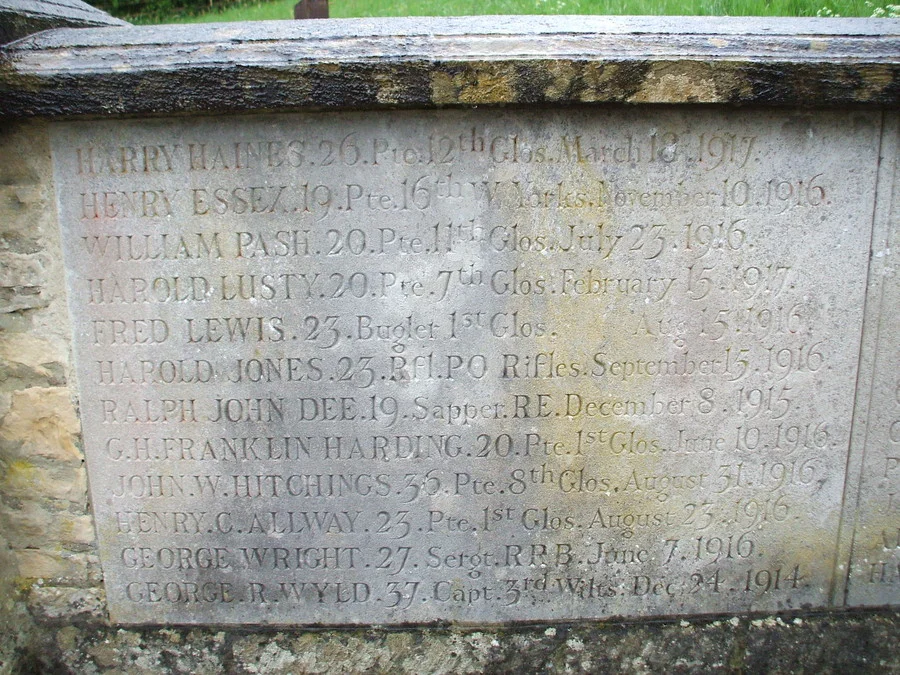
(875, 566)
(470, 366)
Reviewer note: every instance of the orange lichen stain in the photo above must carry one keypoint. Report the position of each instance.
(585, 484)
(875, 79)
(389, 87)
(478, 84)
(20, 474)
(23, 585)
(563, 75)
(489, 87)
(443, 90)
(678, 83)
(778, 554)
(877, 550)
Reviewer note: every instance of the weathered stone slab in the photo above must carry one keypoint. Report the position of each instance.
(469, 366)
(428, 62)
(874, 575)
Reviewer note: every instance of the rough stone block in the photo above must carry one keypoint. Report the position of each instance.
(41, 422)
(52, 565)
(67, 603)
(25, 480)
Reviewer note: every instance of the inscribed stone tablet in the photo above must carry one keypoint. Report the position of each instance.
(472, 366)
(875, 564)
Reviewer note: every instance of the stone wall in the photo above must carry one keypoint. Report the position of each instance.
(53, 612)
(47, 531)
(53, 616)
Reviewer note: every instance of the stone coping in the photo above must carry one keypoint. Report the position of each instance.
(433, 62)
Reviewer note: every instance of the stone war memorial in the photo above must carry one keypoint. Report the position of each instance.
(497, 344)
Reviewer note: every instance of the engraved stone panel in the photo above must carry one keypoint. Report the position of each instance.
(474, 366)
(875, 565)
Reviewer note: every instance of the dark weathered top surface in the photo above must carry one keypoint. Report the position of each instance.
(19, 18)
(427, 62)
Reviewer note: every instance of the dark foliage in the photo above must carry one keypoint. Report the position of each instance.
(155, 10)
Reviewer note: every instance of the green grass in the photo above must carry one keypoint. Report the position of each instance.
(283, 9)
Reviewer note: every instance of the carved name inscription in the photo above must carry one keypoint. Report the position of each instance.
(470, 366)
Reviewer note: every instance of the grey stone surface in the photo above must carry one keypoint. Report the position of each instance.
(874, 577)
(478, 366)
(427, 62)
